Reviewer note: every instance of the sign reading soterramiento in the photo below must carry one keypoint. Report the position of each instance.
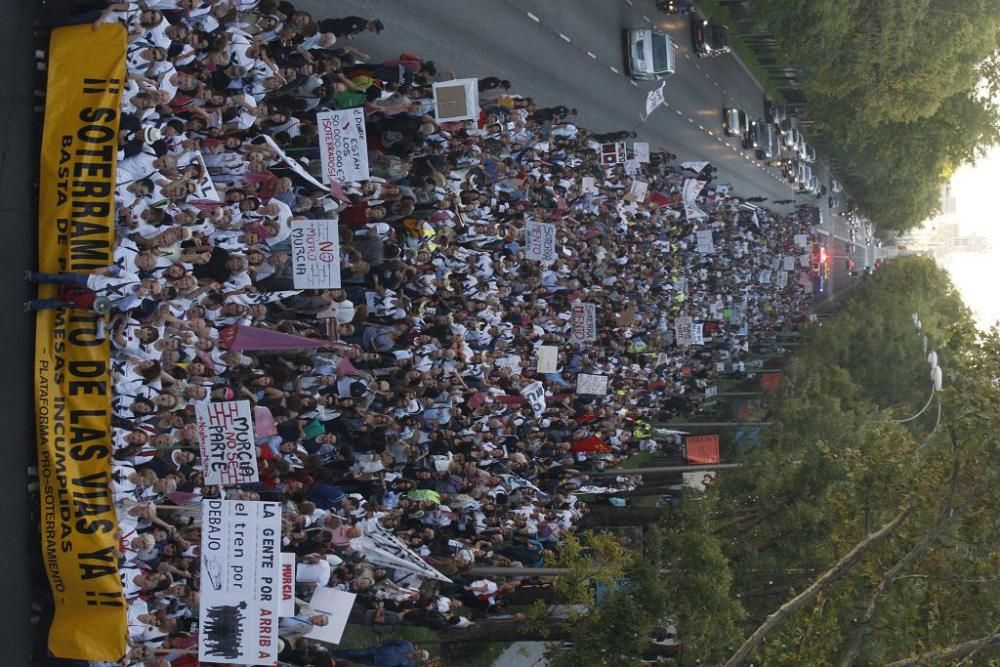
(72, 387)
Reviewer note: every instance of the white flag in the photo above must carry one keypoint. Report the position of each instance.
(654, 99)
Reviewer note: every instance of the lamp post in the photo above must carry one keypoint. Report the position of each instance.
(936, 375)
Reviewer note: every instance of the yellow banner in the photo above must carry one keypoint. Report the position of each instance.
(72, 364)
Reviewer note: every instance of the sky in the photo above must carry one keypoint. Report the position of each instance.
(976, 275)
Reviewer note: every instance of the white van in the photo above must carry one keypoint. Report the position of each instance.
(651, 54)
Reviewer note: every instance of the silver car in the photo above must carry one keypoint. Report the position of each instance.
(651, 54)
(735, 121)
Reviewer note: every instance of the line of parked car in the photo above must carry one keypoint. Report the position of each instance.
(776, 138)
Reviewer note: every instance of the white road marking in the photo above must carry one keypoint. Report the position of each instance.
(690, 120)
(614, 69)
(565, 38)
(679, 112)
(646, 18)
(533, 17)
(633, 83)
(592, 55)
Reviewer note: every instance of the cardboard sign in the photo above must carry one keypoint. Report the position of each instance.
(343, 145)
(548, 359)
(613, 153)
(286, 605)
(457, 99)
(336, 606)
(700, 481)
(204, 186)
(540, 241)
(596, 385)
(706, 244)
(689, 194)
(640, 150)
(240, 582)
(227, 441)
(534, 393)
(315, 254)
(584, 323)
(638, 190)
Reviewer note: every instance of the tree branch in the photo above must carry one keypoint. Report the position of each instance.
(839, 570)
(948, 653)
(946, 517)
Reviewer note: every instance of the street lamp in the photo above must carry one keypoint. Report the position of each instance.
(936, 378)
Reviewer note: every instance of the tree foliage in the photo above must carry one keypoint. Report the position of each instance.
(901, 91)
(836, 468)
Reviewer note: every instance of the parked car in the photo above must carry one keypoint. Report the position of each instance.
(735, 121)
(802, 149)
(790, 138)
(652, 55)
(710, 38)
(810, 154)
(774, 113)
(771, 147)
(756, 136)
(676, 6)
(836, 186)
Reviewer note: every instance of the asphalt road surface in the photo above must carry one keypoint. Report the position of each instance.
(572, 53)
(18, 168)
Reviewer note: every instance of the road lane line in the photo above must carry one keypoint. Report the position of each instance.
(679, 112)
(592, 55)
(533, 17)
(565, 38)
(646, 18)
(613, 69)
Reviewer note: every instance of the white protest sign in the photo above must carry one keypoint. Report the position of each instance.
(640, 150)
(804, 261)
(380, 547)
(781, 278)
(706, 244)
(588, 184)
(789, 263)
(631, 167)
(698, 480)
(682, 331)
(711, 391)
(534, 393)
(540, 241)
(764, 277)
(204, 187)
(336, 606)
(315, 254)
(584, 323)
(697, 333)
(596, 385)
(456, 99)
(638, 190)
(226, 438)
(689, 194)
(240, 582)
(548, 359)
(801, 240)
(343, 145)
(286, 606)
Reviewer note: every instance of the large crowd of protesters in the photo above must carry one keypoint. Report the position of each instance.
(413, 415)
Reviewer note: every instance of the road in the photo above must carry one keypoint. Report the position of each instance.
(19, 549)
(559, 53)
